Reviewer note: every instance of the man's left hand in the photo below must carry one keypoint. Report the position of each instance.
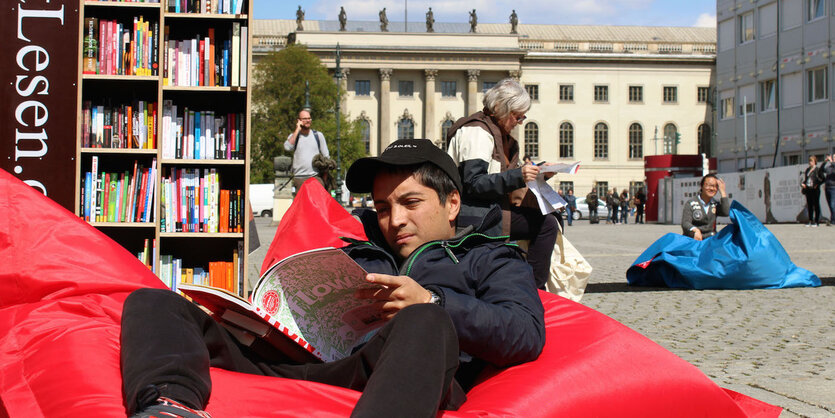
(396, 293)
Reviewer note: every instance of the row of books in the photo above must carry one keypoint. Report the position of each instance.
(115, 48)
(119, 197)
(228, 275)
(119, 126)
(148, 253)
(206, 6)
(192, 201)
(195, 134)
(201, 61)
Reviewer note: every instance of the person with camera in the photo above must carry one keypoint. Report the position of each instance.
(810, 187)
(305, 143)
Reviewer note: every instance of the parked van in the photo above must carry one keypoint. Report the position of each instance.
(261, 199)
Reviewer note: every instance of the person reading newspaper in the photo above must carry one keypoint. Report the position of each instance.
(456, 301)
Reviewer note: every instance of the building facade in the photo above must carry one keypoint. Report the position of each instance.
(603, 95)
(774, 99)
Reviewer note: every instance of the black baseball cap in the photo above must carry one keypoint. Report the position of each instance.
(360, 177)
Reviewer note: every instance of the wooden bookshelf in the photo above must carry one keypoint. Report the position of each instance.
(127, 90)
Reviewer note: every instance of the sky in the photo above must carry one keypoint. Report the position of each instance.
(565, 12)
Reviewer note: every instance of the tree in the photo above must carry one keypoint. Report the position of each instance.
(277, 98)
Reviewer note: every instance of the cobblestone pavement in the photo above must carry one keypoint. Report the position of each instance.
(775, 345)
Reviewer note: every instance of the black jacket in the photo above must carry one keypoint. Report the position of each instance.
(484, 284)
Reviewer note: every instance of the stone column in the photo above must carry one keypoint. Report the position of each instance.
(385, 110)
(472, 91)
(343, 84)
(429, 128)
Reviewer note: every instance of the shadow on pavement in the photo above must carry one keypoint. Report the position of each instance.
(624, 287)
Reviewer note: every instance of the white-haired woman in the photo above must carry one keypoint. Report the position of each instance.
(492, 175)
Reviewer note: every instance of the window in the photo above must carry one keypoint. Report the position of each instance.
(670, 138)
(533, 91)
(406, 88)
(703, 94)
(817, 84)
(449, 88)
(635, 187)
(601, 187)
(768, 98)
(366, 135)
(816, 9)
(670, 94)
(636, 141)
(487, 85)
(565, 186)
(746, 27)
(532, 140)
(792, 14)
(362, 87)
(704, 139)
(726, 35)
(768, 20)
(566, 140)
(601, 140)
(791, 159)
(726, 104)
(636, 94)
(747, 99)
(405, 129)
(601, 93)
(444, 131)
(791, 90)
(566, 93)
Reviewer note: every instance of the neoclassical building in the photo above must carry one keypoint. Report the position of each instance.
(603, 95)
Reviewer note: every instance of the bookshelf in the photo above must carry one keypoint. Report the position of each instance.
(162, 138)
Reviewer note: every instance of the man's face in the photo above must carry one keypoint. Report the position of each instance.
(304, 117)
(410, 214)
(710, 187)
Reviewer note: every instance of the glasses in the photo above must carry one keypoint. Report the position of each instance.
(305, 119)
(519, 119)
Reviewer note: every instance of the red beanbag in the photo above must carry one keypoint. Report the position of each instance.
(62, 285)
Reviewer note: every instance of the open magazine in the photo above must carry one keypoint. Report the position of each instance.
(303, 305)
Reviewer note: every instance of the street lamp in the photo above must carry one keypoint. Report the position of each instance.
(338, 117)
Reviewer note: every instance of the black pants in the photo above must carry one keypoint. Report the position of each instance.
(541, 230)
(168, 345)
(639, 214)
(813, 204)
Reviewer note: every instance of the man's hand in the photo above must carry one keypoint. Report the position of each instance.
(396, 293)
(697, 235)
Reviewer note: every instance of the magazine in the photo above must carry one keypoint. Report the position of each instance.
(306, 299)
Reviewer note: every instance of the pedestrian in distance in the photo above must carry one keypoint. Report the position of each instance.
(305, 143)
(624, 206)
(810, 187)
(592, 201)
(640, 201)
(571, 200)
(828, 176)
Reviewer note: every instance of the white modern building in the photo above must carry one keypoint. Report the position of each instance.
(603, 95)
(772, 78)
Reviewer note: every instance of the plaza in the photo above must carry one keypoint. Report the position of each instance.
(774, 345)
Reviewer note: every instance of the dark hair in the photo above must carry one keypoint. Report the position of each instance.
(428, 175)
(707, 176)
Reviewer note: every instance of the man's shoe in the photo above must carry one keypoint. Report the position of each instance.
(169, 408)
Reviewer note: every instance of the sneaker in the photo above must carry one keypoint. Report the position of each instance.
(169, 408)
(815, 225)
(808, 225)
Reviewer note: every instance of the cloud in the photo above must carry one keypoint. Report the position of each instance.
(706, 20)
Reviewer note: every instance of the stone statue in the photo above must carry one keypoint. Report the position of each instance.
(299, 19)
(473, 21)
(430, 21)
(343, 19)
(514, 21)
(384, 21)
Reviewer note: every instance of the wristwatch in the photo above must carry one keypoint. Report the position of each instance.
(433, 297)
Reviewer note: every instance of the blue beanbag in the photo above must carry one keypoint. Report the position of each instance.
(743, 255)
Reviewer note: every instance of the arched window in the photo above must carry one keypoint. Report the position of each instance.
(566, 140)
(601, 140)
(704, 139)
(366, 135)
(670, 145)
(405, 129)
(532, 140)
(636, 141)
(444, 131)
